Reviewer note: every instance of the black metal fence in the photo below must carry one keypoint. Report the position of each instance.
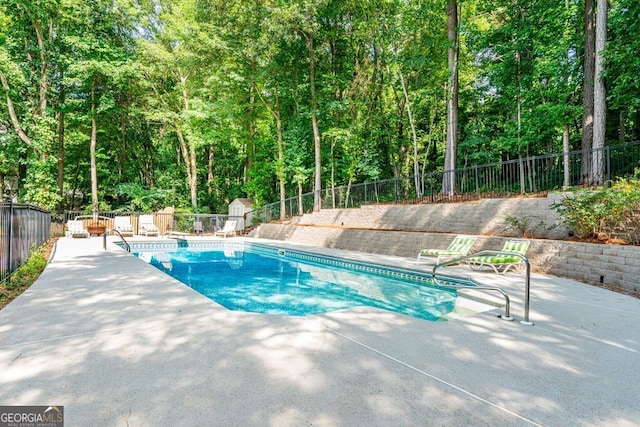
(502, 179)
(23, 227)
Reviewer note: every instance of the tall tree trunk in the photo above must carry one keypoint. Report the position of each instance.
(44, 84)
(565, 149)
(622, 128)
(523, 187)
(210, 171)
(193, 182)
(317, 186)
(400, 165)
(92, 149)
(61, 159)
(416, 164)
(589, 72)
(188, 155)
(188, 150)
(333, 174)
(449, 179)
(280, 169)
(599, 95)
(250, 144)
(280, 164)
(565, 129)
(300, 207)
(12, 112)
(122, 171)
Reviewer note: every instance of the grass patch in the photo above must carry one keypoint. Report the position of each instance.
(24, 276)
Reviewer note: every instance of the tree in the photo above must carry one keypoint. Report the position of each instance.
(599, 96)
(623, 85)
(299, 20)
(589, 63)
(177, 56)
(280, 164)
(165, 96)
(27, 33)
(449, 178)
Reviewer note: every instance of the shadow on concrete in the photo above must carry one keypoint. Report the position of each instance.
(119, 343)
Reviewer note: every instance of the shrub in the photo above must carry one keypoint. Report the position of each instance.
(24, 276)
(527, 226)
(30, 270)
(606, 214)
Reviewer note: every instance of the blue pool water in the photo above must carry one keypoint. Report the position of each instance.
(262, 282)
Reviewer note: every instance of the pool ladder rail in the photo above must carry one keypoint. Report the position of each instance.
(104, 239)
(479, 286)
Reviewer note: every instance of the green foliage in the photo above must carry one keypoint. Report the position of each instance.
(527, 226)
(41, 187)
(175, 94)
(28, 272)
(136, 198)
(622, 56)
(608, 213)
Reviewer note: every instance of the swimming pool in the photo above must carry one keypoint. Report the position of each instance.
(263, 279)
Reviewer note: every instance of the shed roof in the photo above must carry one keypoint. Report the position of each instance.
(246, 202)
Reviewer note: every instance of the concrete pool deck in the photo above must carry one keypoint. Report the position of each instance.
(118, 343)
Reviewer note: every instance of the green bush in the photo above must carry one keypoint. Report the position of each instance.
(527, 226)
(30, 270)
(608, 213)
(24, 276)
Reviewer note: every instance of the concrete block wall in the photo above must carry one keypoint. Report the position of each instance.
(486, 217)
(612, 265)
(393, 230)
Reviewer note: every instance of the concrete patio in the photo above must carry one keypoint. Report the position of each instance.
(119, 343)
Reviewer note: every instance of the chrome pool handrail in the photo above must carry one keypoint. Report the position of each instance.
(475, 286)
(104, 239)
(527, 286)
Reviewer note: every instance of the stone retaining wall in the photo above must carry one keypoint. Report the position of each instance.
(394, 230)
(484, 217)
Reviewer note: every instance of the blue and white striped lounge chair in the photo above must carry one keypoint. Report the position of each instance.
(460, 246)
(501, 263)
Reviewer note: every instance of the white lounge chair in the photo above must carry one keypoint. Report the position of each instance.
(228, 229)
(75, 228)
(123, 225)
(146, 226)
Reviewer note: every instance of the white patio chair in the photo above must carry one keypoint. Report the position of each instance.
(146, 226)
(228, 229)
(75, 228)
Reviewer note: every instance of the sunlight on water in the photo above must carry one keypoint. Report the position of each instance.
(247, 281)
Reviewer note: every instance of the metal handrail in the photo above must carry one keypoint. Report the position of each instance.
(527, 286)
(476, 286)
(104, 239)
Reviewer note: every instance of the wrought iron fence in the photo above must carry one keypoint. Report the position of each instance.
(502, 179)
(22, 228)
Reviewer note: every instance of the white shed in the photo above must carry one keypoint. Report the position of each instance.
(239, 210)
